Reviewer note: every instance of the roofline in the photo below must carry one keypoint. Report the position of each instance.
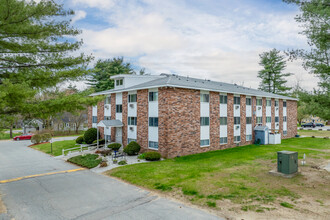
(132, 76)
(194, 88)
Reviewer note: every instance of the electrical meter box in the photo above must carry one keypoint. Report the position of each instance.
(287, 162)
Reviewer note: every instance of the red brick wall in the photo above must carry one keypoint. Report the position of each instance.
(263, 111)
(142, 119)
(100, 116)
(89, 116)
(254, 117)
(113, 116)
(230, 119)
(291, 108)
(124, 118)
(243, 119)
(163, 105)
(273, 115)
(280, 114)
(215, 120)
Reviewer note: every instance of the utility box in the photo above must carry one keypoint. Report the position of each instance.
(274, 138)
(261, 134)
(287, 162)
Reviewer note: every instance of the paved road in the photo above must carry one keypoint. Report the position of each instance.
(75, 195)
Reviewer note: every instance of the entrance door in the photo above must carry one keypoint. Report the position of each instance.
(119, 135)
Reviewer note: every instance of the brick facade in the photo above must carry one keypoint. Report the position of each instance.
(280, 112)
(124, 115)
(264, 111)
(230, 120)
(254, 116)
(113, 116)
(291, 111)
(100, 116)
(142, 122)
(90, 116)
(243, 119)
(215, 120)
(273, 115)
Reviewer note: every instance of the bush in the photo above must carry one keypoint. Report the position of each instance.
(80, 140)
(114, 146)
(142, 156)
(103, 164)
(46, 137)
(90, 135)
(88, 160)
(101, 141)
(122, 162)
(36, 139)
(132, 148)
(152, 156)
(105, 152)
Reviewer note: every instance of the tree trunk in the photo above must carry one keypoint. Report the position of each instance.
(11, 131)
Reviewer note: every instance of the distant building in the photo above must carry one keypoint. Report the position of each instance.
(32, 126)
(314, 119)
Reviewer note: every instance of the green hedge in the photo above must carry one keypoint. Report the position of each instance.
(89, 160)
(132, 148)
(114, 146)
(90, 135)
(152, 156)
(80, 140)
(39, 138)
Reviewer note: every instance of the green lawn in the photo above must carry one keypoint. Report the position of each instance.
(57, 147)
(6, 136)
(238, 174)
(314, 133)
(88, 160)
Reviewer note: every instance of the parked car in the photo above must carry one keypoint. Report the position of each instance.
(319, 125)
(312, 125)
(23, 137)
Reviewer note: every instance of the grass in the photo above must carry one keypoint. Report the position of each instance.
(6, 136)
(57, 147)
(287, 205)
(237, 174)
(88, 160)
(314, 133)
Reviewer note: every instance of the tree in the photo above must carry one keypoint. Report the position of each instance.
(36, 40)
(272, 76)
(315, 19)
(100, 80)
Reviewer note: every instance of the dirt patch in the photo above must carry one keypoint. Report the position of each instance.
(2, 206)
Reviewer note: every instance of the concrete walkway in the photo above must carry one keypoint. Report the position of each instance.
(78, 194)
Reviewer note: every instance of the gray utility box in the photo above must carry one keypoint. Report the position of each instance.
(261, 134)
(287, 162)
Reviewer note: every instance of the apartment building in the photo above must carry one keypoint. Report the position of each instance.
(178, 115)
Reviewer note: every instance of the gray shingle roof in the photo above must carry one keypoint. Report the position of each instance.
(200, 84)
(110, 123)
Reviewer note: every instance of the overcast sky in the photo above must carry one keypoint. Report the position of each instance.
(214, 39)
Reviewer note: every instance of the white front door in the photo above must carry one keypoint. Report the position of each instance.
(119, 135)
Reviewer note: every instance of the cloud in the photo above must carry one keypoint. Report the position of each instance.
(173, 36)
(101, 4)
(78, 16)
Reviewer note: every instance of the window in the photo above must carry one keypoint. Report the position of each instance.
(132, 98)
(237, 138)
(131, 121)
(223, 99)
(259, 102)
(284, 103)
(223, 120)
(284, 119)
(153, 96)
(153, 121)
(259, 120)
(119, 82)
(205, 121)
(276, 103)
(268, 119)
(107, 100)
(248, 101)
(237, 120)
(249, 137)
(108, 137)
(94, 118)
(205, 97)
(119, 108)
(268, 102)
(130, 140)
(223, 140)
(248, 120)
(277, 119)
(285, 133)
(237, 100)
(153, 145)
(107, 117)
(205, 142)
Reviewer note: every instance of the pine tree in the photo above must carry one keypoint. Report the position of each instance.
(272, 76)
(36, 41)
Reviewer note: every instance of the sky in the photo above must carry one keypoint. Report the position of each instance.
(210, 39)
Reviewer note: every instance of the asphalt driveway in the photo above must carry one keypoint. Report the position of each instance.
(78, 194)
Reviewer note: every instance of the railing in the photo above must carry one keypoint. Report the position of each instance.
(81, 149)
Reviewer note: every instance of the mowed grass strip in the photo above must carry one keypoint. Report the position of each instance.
(238, 174)
(6, 136)
(315, 133)
(57, 147)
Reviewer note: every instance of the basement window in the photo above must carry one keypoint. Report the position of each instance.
(153, 145)
(223, 140)
(237, 138)
(205, 142)
(249, 137)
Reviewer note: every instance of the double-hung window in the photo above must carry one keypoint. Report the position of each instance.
(131, 121)
(107, 100)
(205, 142)
(205, 97)
(268, 119)
(153, 96)
(259, 120)
(277, 119)
(237, 100)
(284, 103)
(276, 103)
(132, 98)
(205, 121)
(259, 102)
(284, 119)
(237, 120)
(248, 101)
(223, 140)
(248, 120)
(119, 82)
(268, 102)
(119, 108)
(94, 119)
(223, 99)
(153, 144)
(237, 138)
(223, 120)
(153, 121)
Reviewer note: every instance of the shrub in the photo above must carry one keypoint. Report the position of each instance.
(122, 162)
(152, 156)
(132, 148)
(103, 164)
(80, 140)
(114, 146)
(105, 152)
(36, 139)
(101, 141)
(90, 135)
(46, 137)
(142, 156)
(88, 160)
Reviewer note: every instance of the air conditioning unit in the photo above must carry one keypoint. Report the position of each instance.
(276, 108)
(131, 105)
(131, 128)
(237, 107)
(277, 124)
(259, 108)
(237, 127)
(106, 106)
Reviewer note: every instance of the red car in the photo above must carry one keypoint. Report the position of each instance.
(23, 137)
